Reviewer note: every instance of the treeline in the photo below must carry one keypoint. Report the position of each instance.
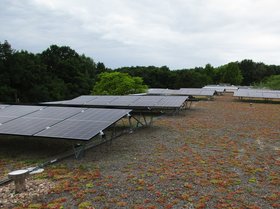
(246, 72)
(60, 73)
(57, 73)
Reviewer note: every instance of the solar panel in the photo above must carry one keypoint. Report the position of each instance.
(18, 110)
(74, 129)
(183, 92)
(146, 101)
(54, 102)
(196, 92)
(219, 89)
(84, 125)
(59, 113)
(156, 91)
(59, 122)
(81, 99)
(136, 102)
(269, 95)
(174, 101)
(124, 100)
(241, 93)
(101, 115)
(4, 119)
(258, 93)
(3, 106)
(163, 92)
(26, 126)
(11, 112)
(101, 100)
(208, 92)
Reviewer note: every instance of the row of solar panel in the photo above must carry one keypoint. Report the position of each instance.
(134, 102)
(258, 93)
(182, 92)
(221, 88)
(56, 122)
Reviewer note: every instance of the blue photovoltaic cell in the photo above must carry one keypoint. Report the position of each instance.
(26, 126)
(110, 115)
(18, 110)
(59, 113)
(124, 101)
(80, 100)
(74, 129)
(58, 122)
(102, 100)
(130, 101)
(84, 125)
(11, 112)
(174, 101)
(146, 101)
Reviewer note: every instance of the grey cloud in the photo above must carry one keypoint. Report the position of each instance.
(177, 33)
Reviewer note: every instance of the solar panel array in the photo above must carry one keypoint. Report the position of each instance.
(57, 122)
(197, 91)
(221, 88)
(134, 102)
(159, 91)
(258, 93)
(183, 92)
(3, 106)
(9, 113)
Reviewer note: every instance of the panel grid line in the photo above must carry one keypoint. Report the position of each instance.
(62, 122)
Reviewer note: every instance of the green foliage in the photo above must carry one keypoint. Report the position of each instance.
(231, 74)
(255, 72)
(7, 93)
(100, 68)
(191, 79)
(116, 83)
(76, 72)
(60, 73)
(153, 76)
(57, 73)
(272, 82)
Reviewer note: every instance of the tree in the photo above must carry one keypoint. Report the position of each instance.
(7, 92)
(100, 68)
(255, 72)
(154, 77)
(116, 83)
(28, 77)
(76, 73)
(248, 68)
(231, 74)
(272, 82)
(209, 70)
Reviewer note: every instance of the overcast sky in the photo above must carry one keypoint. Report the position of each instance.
(176, 33)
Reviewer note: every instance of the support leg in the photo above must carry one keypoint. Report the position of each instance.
(79, 150)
